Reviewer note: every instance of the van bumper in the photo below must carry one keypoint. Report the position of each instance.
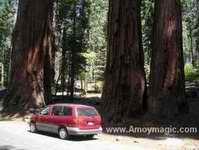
(77, 131)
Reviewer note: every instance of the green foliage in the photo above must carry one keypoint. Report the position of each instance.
(6, 27)
(191, 31)
(147, 23)
(97, 43)
(72, 30)
(196, 32)
(147, 71)
(99, 86)
(81, 37)
(188, 69)
(191, 73)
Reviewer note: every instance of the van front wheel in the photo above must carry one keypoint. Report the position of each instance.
(33, 128)
(63, 134)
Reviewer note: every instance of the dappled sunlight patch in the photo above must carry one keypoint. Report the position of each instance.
(13, 116)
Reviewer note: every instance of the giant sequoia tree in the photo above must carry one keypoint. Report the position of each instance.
(124, 77)
(32, 56)
(167, 88)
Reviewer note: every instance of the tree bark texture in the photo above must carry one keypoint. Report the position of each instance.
(32, 56)
(124, 88)
(167, 86)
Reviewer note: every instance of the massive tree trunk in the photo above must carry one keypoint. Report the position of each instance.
(32, 56)
(73, 53)
(167, 86)
(124, 87)
(49, 60)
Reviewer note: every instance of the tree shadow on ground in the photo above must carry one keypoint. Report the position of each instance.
(160, 128)
(189, 120)
(71, 138)
(9, 147)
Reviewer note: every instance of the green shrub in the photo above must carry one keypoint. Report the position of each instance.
(188, 69)
(191, 73)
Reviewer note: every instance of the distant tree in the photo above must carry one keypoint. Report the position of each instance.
(124, 88)
(196, 33)
(147, 23)
(72, 18)
(188, 12)
(97, 43)
(167, 86)
(6, 27)
(32, 56)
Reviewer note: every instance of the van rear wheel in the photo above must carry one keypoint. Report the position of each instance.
(63, 134)
(33, 128)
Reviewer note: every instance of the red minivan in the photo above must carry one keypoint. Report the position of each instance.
(66, 120)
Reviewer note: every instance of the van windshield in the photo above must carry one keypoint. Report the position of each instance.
(86, 112)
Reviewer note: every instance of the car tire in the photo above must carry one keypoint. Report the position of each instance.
(33, 128)
(63, 134)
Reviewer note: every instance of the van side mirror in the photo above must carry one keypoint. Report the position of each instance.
(32, 110)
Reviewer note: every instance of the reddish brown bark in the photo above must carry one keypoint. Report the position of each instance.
(124, 87)
(167, 87)
(31, 53)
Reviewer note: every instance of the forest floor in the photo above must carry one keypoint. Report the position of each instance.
(15, 135)
(163, 141)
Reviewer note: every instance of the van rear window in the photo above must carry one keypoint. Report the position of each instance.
(86, 112)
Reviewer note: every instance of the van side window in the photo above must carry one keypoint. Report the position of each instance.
(56, 110)
(67, 111)
(45, 111)
(62, 111)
